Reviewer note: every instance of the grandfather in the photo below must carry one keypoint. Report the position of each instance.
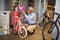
(31, 20)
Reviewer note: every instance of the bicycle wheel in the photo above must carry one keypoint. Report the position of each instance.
(55, 33)
(40, 22)
(22, 32)
(49, 35)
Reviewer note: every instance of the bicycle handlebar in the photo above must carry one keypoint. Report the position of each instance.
(57, 14)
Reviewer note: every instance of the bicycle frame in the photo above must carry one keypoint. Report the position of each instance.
(54, 23)
(18, 25)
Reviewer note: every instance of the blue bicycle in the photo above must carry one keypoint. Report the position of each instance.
(49, 27)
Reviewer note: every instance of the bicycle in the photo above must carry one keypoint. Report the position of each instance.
(53, 24)
(41, 20)
(21, 30)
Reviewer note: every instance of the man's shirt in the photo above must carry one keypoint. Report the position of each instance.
(31, 18)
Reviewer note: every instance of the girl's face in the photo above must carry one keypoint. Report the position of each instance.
(16, 8)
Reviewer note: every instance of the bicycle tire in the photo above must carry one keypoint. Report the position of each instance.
(19, 31)
(44, 32)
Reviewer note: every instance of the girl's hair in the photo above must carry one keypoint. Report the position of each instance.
(14, 7)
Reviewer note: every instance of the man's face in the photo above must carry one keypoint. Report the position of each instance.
(29, 11)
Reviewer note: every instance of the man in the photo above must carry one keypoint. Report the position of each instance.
(31, 19)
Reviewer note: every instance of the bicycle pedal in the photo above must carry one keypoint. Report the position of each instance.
(49, 31)
(53, 39)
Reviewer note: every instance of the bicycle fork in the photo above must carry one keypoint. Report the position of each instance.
(51, 28)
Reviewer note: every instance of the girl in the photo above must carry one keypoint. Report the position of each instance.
(16, 16)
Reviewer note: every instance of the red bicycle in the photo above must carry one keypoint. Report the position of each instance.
(21, 29)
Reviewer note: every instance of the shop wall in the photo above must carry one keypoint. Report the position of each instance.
(1, 5)
(57, 7)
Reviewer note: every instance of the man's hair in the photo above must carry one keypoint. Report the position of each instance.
(31, 8)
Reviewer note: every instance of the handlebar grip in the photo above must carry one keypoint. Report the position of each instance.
(57, 14)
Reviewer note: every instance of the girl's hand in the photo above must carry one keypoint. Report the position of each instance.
(16, 16)
(23, 12)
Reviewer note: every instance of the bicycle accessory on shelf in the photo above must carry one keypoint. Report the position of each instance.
(52, 2)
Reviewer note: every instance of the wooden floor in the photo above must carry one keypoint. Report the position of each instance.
(36, 36)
